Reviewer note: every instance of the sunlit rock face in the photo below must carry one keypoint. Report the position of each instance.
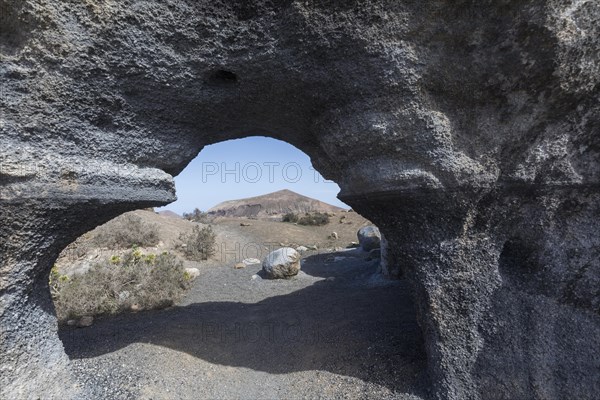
(468, 132)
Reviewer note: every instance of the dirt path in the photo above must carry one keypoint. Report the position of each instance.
(349, 336)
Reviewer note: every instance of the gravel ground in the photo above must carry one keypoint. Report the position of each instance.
(337, 330)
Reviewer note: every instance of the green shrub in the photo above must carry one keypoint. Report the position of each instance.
(199, 244)
(114, 285)
(316, 219)
(290, 217)
(126, 231)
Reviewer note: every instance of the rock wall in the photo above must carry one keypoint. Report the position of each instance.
(468, 131)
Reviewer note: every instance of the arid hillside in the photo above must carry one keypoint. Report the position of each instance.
(271, 204)
(252, 238)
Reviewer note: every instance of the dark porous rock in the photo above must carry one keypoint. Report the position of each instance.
(389, 260)
(466, 131)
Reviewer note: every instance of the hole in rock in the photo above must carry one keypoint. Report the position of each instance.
(222, 76)
(518, 261)
(182, 305)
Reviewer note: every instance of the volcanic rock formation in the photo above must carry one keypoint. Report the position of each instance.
(468, 132)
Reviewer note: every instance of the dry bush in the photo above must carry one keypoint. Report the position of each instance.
(126, 231)
(199, 244)
(290, 217)
(198, 216)
(314, 219)
(150, 281)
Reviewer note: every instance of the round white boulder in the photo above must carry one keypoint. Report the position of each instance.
(193, 273)
(282, 263)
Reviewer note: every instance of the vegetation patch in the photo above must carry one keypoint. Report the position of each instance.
(126, 231)
(130, 281)
(199, 244)
(312, 219)
(290, 217)
(198, 216)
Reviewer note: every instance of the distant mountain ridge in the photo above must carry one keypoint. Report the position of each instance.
(271, 204)
(169, 213)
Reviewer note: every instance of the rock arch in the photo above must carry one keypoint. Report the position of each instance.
(449, 125)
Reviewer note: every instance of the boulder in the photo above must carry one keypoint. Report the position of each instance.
(369, 238)
(239, 265)
(301, 249)
(135, 307)
(333, 235)
(85, 321)
(251, 261)
(374, 254)
(193, 273)
(282, 263)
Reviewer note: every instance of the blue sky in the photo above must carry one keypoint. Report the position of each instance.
(248, 167)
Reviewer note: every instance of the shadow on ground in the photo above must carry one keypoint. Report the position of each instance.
(362, 331)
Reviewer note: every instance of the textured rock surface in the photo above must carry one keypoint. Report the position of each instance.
(389, 262)
(282, 263)
(369, 238)
(467, 131)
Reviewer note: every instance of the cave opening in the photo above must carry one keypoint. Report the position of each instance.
(338, 321)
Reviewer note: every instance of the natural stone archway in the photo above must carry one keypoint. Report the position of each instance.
(467, 131)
